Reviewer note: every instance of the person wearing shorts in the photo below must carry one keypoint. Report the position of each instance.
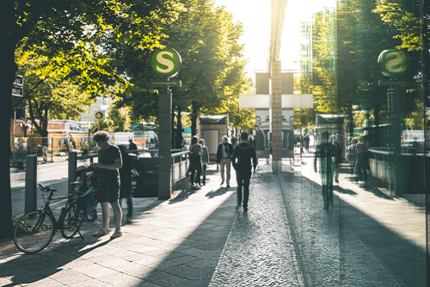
(109, 161)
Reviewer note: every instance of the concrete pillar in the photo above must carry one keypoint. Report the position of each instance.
(165, 144)
(30, 183)
(276, 114)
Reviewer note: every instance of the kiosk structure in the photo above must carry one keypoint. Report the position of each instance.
(212, 129)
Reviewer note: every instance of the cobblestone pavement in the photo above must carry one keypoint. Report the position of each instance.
(358, 242)
(259, 250)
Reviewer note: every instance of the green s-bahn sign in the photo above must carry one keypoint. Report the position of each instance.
(166, 62)
(393, 62)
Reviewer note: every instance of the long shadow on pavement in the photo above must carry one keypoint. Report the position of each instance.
(31, 268)
(347, 247)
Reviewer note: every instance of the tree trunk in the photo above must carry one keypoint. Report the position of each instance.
(7, 76)
(194, 115)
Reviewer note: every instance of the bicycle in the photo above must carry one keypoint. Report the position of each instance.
(35, 230)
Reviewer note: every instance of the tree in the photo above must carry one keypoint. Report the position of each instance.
(118, 120)
(59, 26)
(207, 40)
(52, 90)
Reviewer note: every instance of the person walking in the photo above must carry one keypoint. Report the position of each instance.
(109, 161)
(233, 141)
(205, 159)
(307, 139)
(336, 145)
(360, 165)
(241, 159)
(125, 177)
(195, 162)
(351, 155)
(223, 157)
(132, 146)
(326, 153)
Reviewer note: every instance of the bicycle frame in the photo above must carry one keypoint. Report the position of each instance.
(47, 209)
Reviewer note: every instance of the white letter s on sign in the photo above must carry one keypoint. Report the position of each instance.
(397, 64)
(163, 61)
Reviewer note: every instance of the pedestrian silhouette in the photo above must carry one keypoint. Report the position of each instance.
(241, 159)
(325, 154)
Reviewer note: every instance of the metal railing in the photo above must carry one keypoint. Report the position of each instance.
(179, 162)
(180, 165)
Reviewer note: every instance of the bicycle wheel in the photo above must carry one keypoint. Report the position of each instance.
(72, 221)
(92, 215)
(34, 231)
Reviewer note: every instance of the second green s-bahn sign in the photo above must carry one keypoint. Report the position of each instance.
(393, 62)
(166, 62)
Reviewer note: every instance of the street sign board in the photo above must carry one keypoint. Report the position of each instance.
(99, 115)
(176, 83)
(166, 62)
(393, 62)
(17, 87)
(384, 83)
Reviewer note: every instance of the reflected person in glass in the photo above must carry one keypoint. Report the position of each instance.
(325, 154)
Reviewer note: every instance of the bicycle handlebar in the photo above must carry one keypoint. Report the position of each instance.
(46, 188)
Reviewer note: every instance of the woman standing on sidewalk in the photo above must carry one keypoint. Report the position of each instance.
(195, 162)
(205, 159)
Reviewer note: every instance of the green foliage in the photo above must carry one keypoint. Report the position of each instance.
(117, 120)
(212, 74)
(404, 15)
(50, 91)
(343, 70)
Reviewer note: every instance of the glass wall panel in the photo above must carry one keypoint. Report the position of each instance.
(367, 144)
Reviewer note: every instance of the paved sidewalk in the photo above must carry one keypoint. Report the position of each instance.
(170, 243)
(260, 251)
(367, 239)
(173, 243)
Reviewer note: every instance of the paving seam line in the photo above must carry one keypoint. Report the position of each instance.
(304, 278)
(223, 250)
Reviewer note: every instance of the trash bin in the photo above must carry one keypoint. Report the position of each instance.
(147, 183)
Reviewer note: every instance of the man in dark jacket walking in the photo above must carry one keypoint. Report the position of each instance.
(223, 158)
(241, 159)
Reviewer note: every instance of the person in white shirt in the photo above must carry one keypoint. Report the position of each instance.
(223, 157)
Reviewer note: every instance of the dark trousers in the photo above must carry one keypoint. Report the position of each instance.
(129, 205)
(243, 177)
(361, 168)
(126, 194)
(195, 177)
(204, 173)
(327, 193)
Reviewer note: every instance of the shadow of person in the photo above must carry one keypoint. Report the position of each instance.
(217, 192)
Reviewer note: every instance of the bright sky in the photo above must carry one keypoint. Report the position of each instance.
(256, 15)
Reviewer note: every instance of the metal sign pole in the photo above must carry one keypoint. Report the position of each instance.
(165, 63)
(165, 143)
